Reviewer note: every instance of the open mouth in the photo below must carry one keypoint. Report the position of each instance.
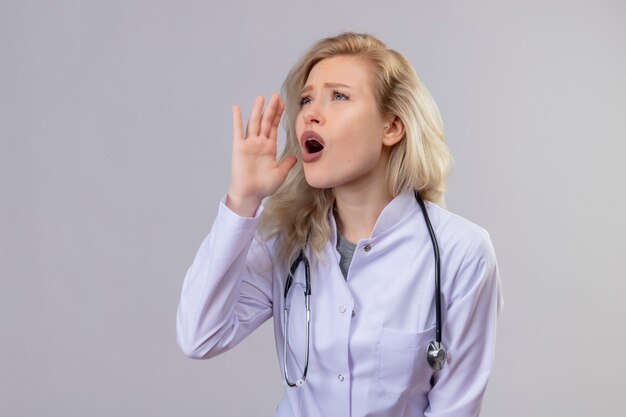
(312, 145)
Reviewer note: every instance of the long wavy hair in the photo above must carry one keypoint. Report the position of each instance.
(419, 161)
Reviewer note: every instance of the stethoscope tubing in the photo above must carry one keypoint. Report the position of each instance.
(307, 300)
(435, 246)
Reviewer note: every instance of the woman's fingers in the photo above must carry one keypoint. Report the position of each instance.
(237, 124)
(255, 118)
(276, 122)
(261, 122)
(268, 115)
(285, 166)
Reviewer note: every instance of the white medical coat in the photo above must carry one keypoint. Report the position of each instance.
(369, 332)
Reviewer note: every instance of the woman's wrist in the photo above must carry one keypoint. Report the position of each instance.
(242, 206)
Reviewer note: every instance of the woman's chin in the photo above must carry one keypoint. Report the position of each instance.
(317, 181)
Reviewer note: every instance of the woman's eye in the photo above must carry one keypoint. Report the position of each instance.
(304, 100)
(339, 96)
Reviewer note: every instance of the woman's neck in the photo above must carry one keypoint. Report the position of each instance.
(356, 213)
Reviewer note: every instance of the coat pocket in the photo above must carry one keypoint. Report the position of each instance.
(402, 364)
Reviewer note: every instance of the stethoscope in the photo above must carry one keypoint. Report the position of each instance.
(435, 352)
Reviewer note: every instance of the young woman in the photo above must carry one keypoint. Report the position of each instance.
(340, 253)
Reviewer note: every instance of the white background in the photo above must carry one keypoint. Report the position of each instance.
(115, 146)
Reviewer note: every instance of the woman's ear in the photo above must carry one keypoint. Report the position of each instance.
(393, 131)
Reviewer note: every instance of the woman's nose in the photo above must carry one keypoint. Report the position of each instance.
(313, 114)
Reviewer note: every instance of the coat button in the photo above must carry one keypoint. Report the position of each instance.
(340, 377)
(342, 309)
(367, 247)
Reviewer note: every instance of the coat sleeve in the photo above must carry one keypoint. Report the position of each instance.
(227, 291)
(469, 334)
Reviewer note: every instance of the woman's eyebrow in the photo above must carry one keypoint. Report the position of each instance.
(308, 88)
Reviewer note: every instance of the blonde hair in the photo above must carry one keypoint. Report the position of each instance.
(419, 161)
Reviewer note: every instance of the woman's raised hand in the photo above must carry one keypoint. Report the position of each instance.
(255, 172)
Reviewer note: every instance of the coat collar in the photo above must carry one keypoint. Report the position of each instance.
(393, 213)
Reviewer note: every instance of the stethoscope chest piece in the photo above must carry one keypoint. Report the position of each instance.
(436, 356)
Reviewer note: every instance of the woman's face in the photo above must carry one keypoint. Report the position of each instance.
(340, 129)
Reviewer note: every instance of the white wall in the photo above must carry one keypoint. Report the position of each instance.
(115, 146)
